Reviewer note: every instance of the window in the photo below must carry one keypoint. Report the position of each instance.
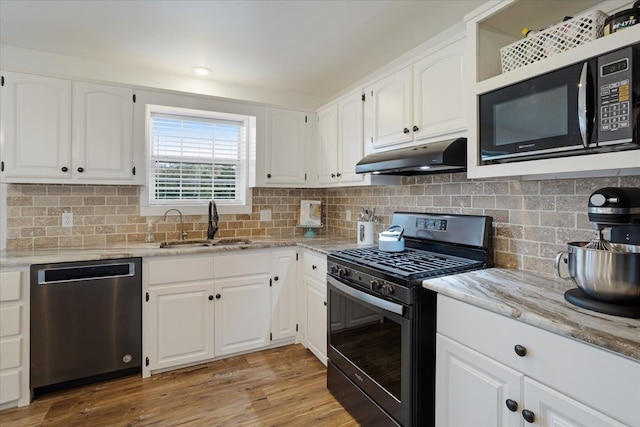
(195, 156)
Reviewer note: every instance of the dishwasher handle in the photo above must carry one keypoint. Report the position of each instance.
(48, 276)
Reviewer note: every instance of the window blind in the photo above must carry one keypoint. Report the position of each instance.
(194, 159)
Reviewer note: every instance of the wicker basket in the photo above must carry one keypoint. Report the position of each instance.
(563, 36)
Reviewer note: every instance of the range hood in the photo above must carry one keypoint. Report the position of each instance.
(438, 157)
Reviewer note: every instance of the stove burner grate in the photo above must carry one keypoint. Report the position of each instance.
(408, 263)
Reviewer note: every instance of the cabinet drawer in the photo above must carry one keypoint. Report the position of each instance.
(9, 386)
(606, 381)
(179, 269)
(10, 353)
(244, 264)
(10, 320)
(315, 265)
(10, 285)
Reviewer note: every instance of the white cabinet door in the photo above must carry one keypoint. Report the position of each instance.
(14, 337)
(438, 84)
(550, 408)
(180, 324)
(242, 313)
(285, 148)
(283, 294)
(388, 110)
(472, 390)
(102, 132)
(36, 127)
(316, 318)
(328, 145)
(351, 137)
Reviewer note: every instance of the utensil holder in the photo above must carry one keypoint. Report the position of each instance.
(364, 233)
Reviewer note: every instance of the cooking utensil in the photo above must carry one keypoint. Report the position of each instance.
(391, 239)
(599, 243)
(605, 275)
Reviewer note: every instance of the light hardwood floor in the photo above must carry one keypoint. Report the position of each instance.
(279, 387)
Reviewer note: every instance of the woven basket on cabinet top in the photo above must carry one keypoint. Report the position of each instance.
(550, 41)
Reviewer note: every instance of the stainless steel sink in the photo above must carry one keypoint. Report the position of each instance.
(195, 243)
(184, 244)
(222, 242)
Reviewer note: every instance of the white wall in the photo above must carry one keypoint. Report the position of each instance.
(31, 61)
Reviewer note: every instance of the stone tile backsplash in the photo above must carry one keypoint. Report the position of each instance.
(111, 214)
(532, 220)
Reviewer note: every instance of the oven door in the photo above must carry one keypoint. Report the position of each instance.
(369, 341)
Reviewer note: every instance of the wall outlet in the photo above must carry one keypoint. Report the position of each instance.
(348, 215)
(265, 215)
(67, 219)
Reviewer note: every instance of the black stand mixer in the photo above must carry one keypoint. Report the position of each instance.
(608, 272)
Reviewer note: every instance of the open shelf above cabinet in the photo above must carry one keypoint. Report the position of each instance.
(500, 24)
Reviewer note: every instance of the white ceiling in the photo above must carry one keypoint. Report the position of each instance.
(307, 47)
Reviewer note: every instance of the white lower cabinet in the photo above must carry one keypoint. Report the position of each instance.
(181, 323)
(284, 313)
(551, 408)
(314, 318)
(495, 371)
(14, 337)
(472, 389)
(205, 306)
(242, 303)
(178, 311)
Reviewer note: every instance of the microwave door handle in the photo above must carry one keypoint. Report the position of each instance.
(583, 111)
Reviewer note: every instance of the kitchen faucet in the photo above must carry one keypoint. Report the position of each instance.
(182, 233)
(213, 220)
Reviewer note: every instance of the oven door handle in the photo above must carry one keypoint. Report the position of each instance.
(363, 296)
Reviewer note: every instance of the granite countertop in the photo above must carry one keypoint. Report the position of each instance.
(538, 300)
(131, 250)
(535, 299)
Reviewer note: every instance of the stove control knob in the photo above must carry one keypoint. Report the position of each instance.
(334, 269)
(386, 289)
(376, 285)
(343, 272)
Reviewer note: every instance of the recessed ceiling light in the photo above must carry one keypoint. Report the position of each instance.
(201, 71)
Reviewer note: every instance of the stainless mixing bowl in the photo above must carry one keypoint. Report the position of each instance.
(606, 275)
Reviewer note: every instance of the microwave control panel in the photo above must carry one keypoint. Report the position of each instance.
(615, 97)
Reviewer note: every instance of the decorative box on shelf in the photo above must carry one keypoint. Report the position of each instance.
(310, 216)
(553, 40)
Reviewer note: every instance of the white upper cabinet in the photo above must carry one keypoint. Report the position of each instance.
(58, 131)
(351, 138)
(421, 103)
(36, 127)
(340, 142)
(285, 151)
(102, 132)
(388, 110)
(328, 145)
(438, 83)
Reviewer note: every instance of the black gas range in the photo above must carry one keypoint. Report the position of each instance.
(381, 321)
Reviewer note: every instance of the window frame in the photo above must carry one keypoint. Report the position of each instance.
(200, 207)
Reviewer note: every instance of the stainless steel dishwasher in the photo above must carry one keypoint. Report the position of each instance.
(86, 322)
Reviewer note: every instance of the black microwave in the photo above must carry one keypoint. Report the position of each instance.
(588, 107)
